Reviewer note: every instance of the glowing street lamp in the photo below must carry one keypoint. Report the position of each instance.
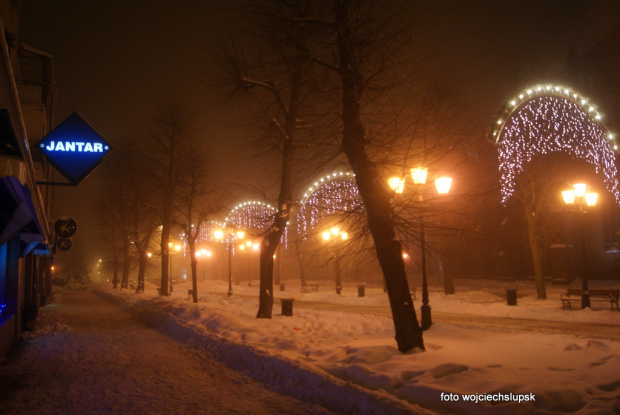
(203, 253)
(419, 175)
(335, 234)
(228, 235)
(173, 249)
(581, 199)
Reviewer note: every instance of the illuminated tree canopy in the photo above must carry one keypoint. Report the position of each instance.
(334, 193)
(546, 119)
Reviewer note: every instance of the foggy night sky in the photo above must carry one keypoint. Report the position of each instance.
(113, 59)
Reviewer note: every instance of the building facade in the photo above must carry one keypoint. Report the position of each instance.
(26, 238)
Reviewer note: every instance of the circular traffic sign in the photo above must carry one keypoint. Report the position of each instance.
(65, 227)
(64, 244)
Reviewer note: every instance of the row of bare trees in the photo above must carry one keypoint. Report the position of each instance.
(327, 83)
(157, 182)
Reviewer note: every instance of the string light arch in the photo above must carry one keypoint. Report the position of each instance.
(550, 118)
(333, 193)
(252, 216)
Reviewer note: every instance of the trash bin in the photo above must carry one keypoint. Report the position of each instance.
(281, 286)
(287, 306)
(511, 297)
(361, 290)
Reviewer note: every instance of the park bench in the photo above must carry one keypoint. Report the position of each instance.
(253, 283)
(610, 295)
(310, 288)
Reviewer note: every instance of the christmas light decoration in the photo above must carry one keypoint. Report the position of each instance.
(334, 193)
(208, 230)
(253, 216)
(545, 119)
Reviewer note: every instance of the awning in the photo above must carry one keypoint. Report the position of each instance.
(17, 214)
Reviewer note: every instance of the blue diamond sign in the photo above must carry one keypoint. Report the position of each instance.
(74, 148)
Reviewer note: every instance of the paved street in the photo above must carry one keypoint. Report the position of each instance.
(96, 358)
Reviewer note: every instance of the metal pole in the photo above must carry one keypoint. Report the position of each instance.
(426, 308)
(585, 294)
(230, 269)
(338, 278)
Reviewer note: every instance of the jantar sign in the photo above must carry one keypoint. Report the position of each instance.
(74, 148)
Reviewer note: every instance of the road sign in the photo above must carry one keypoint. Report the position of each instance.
(74, 148)
(65, 227)
(64, 244)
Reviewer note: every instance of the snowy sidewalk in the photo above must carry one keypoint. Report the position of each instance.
(482, 355)
(96, 358)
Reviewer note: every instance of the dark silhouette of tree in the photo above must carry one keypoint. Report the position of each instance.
(198, 200)
(277, 76)
(166, 143)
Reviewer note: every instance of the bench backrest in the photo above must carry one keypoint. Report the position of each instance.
(612, 292)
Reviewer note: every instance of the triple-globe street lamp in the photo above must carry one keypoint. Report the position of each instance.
(419, 176)
(228, 236)
(580, 199)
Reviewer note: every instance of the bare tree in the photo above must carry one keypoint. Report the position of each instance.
(197, 202)
(277, 75)
(363, 38)
(166, 142)
(537, 191)
(116, 217)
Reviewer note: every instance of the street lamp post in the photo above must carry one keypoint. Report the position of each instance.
(246, 248)
(337, 235)
(172, 250)
(581, 199)
(206, 254)
(442, 185)
(228, 235)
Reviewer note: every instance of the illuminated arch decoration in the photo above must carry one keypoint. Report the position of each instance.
(330, 194)
(206, 232)
(253, 216)
(548, 118)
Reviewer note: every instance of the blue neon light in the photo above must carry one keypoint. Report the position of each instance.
(74, 148)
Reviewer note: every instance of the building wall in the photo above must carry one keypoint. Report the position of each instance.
(25, 75)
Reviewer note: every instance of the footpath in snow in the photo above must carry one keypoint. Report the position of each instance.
(88, 356)
(325, 355)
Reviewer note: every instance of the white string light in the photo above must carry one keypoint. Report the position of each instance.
(336, 192)
(548, 119)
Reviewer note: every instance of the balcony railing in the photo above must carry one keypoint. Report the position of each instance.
(30, 92)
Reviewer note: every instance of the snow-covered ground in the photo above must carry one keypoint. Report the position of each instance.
(318, 347)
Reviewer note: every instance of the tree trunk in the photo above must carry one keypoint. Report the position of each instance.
(115, 271)
(300, 263)
(194, 265)
(269, 245)
(267, 250)
(126, 264)
(141, 271)
(165, 256)
(536, 251)
(373, 190)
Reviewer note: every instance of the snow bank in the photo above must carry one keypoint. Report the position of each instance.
(348, 361)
